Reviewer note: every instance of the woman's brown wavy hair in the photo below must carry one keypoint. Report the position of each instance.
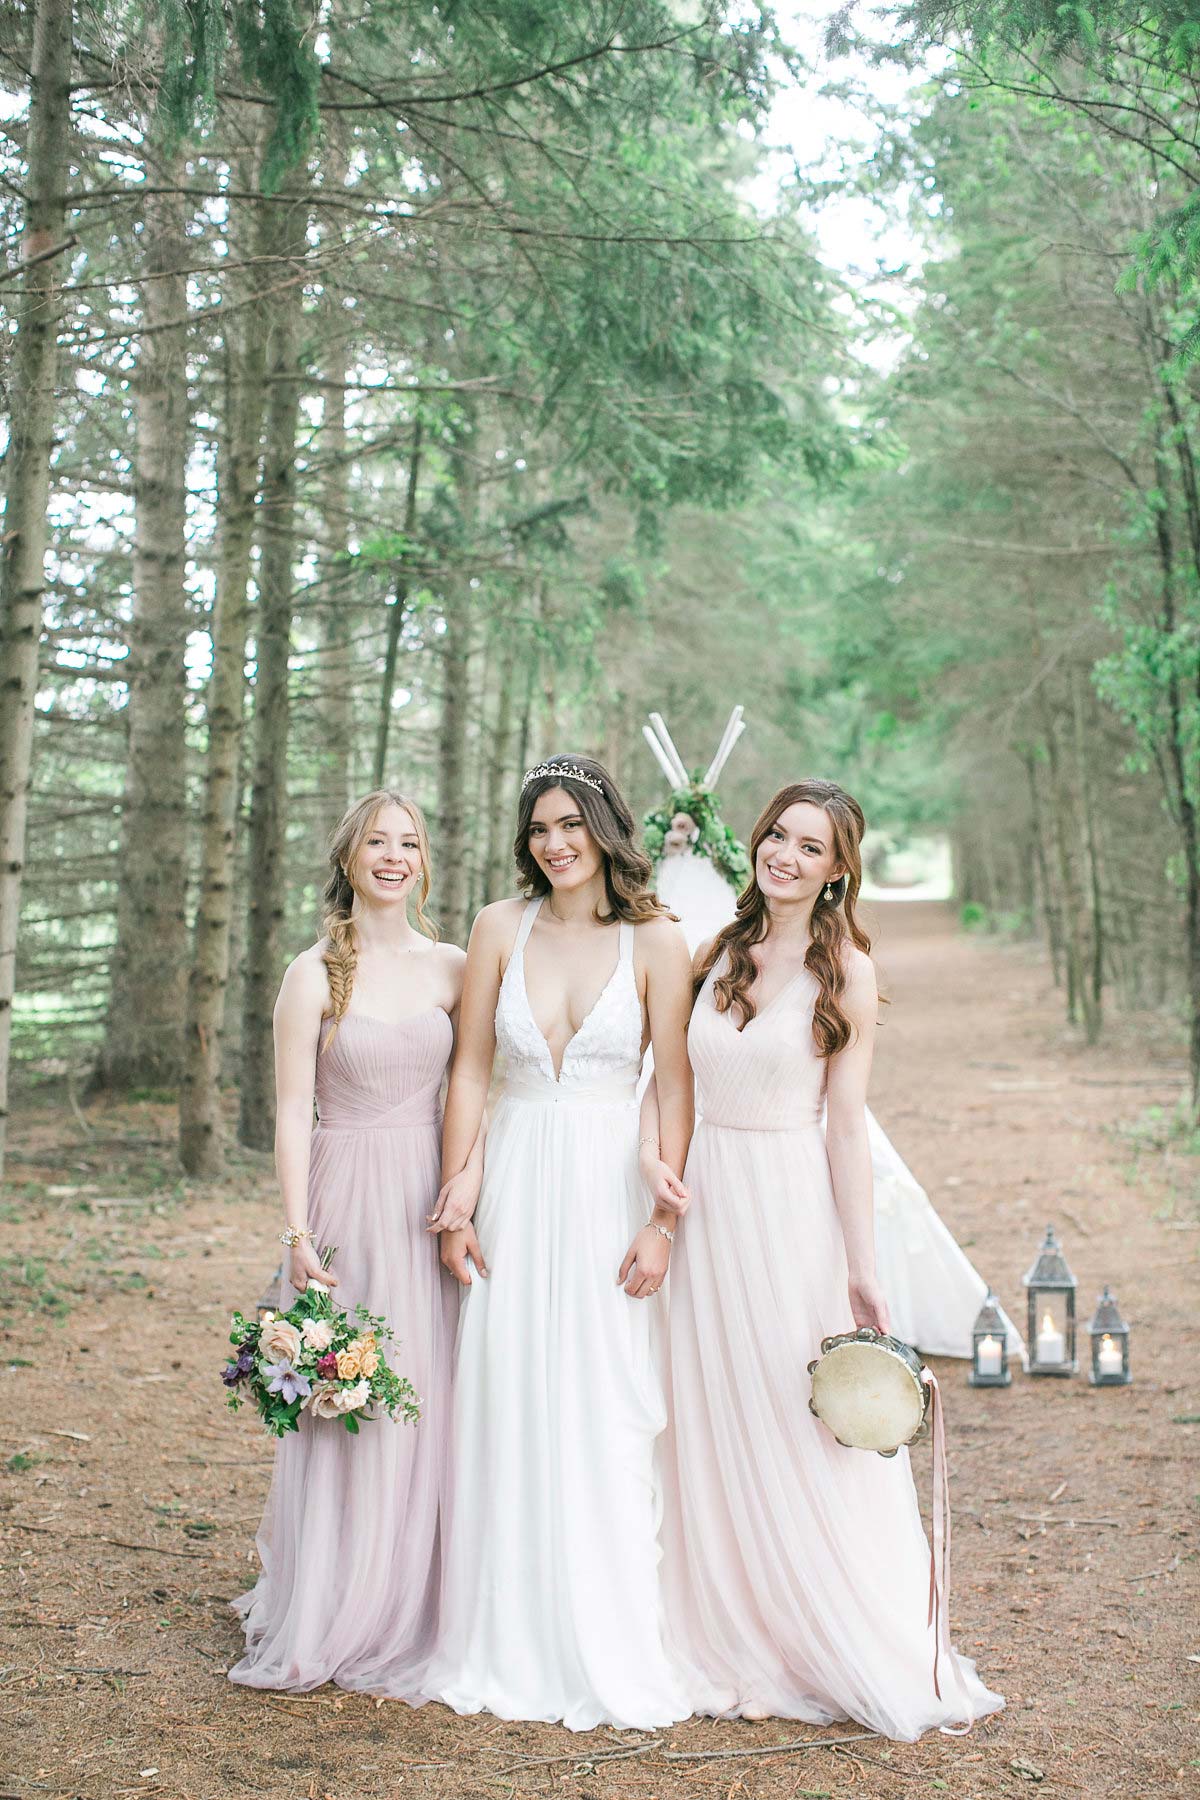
(350, 834)
(628, 871)
(833, 921)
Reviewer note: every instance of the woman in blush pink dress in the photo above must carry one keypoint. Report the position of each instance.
(797, 1571)
(351, 1538)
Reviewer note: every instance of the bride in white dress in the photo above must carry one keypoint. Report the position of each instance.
(550, 1603)
(934, 1291)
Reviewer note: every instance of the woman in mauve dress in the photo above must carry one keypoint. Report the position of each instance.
(797, 1571)
(351, 1541)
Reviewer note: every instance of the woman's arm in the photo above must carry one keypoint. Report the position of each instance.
(667, 1191)
(470, 1078)
(847, 1145)
(303, 1001)
(475, 1050)
(668, 999)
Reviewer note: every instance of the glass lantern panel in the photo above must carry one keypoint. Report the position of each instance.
(1051, 1327)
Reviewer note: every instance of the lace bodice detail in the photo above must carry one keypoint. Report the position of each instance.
(767, 1077)
(607, 1048)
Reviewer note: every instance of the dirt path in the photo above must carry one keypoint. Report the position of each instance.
(130, 1500)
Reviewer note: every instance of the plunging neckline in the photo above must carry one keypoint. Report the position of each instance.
(583, 1023)
(761, 1011)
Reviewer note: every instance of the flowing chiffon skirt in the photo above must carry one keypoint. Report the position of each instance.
(797, 1571)
(350, 1541)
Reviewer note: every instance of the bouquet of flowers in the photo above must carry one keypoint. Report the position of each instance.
(317, 1358)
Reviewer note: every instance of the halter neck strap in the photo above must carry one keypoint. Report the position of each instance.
(532, 908)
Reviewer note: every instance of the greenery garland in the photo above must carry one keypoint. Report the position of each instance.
(727, 854)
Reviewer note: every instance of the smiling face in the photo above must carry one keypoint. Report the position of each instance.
(387, 863)
(797, 856)
(561, 844)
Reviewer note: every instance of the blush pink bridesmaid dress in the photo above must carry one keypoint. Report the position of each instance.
(351, 1540)
(796, 1570)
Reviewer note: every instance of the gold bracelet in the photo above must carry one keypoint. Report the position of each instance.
(661, 1230)
(648, 1140)
(291, 1235)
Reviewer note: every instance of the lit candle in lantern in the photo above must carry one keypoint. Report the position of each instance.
(1110, 1360)
(1049, 1341)
(988, 1356)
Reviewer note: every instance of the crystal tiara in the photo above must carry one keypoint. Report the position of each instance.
(572, 771)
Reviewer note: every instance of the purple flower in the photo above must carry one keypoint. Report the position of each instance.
(233, 1372)
(283, 1379)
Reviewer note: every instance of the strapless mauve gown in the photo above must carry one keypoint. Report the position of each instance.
(797, 1571)
(351, 1538)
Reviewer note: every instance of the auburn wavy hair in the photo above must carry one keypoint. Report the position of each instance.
(833, 921)
(350, 834)
(628, 871)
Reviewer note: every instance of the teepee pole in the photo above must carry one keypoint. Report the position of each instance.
(729, 737)
(660, 756)
(680, 776)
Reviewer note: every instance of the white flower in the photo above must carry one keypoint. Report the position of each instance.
(317, 1334)
(351, 1398)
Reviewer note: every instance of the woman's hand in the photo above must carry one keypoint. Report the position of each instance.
(457, 1246)
(665, 1188)
(457, 1201)
(646, 1262)
(304, 1265)
(868, 1304)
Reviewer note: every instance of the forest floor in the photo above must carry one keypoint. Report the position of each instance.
(130, 1500)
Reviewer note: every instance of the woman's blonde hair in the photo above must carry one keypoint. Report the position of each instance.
(351, 833)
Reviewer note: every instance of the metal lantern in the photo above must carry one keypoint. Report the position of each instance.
(1051, 1288)
(272, 1299)
(989, 1347)
(1110, 1344)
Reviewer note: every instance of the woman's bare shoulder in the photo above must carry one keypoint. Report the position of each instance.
(661, 944)
(306, 978)
(862, 986)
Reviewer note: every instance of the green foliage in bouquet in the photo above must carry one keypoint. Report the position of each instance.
(317, 1358)
(727, 854)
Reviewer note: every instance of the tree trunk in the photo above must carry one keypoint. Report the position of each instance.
(272, 635)
(31, 440)
(149, 971)
(396, 613)
(1051, 910)
(335, 679)
(452, 759)
(499, 878)
(200, 1149)
(1091, 857)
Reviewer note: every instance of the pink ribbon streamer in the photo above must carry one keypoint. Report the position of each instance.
(939, 1559)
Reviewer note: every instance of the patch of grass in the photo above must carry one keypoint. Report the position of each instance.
(26, 1287)
(1164, 1128)
(19, 1461)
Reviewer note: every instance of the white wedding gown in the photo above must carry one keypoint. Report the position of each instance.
(550, 1603)
(933, 1290)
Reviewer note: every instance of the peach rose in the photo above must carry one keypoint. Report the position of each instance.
(368, 1362)
(318, 1334)
(279, 1341)
(349, 1367)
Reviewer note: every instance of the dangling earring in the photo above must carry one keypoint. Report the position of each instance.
(828, 892)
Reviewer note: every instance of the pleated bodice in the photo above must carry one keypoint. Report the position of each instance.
(382, 1074)
(767, 1077)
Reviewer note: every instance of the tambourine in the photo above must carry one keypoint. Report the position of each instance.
(870, 1390)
